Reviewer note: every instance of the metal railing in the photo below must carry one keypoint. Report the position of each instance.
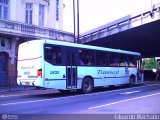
(120, 25)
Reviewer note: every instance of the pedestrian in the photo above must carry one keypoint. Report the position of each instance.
(158, 74)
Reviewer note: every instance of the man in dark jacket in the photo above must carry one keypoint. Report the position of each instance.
(158, 74)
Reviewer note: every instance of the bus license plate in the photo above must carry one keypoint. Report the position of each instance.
(26, 83)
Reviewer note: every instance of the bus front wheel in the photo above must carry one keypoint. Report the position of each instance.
(87, 85)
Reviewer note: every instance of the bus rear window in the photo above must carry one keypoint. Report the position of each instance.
(29, 50)
(53, 54)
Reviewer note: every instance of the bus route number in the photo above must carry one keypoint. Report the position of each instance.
(54, 72)
(26, 73)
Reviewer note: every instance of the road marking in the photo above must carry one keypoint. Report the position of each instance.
(26, 102)
(123, 89)
(113, 103)
(73, 96)
(127, 93)
(14, 95)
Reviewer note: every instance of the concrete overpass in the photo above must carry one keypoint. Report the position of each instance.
(139, 33)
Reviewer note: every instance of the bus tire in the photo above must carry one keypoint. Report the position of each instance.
(132, 81)
(87, 85)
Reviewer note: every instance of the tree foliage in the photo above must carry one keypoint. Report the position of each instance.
(150, 63)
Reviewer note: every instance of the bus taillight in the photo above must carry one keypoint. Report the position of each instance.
(39, 72)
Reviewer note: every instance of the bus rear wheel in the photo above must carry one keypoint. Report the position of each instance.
(87, 85)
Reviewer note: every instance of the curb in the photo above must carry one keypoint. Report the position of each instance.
(15, 89)
(26, 91)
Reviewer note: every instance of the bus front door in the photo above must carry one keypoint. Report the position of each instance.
(71, 70)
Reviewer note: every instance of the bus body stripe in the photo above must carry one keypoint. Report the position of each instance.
(30, 59)
(53, 79)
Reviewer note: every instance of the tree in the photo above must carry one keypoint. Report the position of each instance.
(150, 63)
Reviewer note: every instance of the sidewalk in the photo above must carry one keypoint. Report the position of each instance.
(25, 90)
(14, 89)
(151, 82)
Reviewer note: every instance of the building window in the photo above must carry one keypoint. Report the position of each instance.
(41, 15)
(29, 9)
(57, 10)
(4, 9)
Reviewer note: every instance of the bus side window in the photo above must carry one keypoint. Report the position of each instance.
(48, 53)
(53, 55)
(86, 57)
(113, 59)
(123, 60)
(132, 61)
(81, 58)
(101, 58)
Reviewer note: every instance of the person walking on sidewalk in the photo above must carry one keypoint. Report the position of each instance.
(158, 74)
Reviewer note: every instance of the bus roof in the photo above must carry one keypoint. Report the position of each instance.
(76, 45)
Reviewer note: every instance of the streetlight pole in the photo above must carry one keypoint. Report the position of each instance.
(151, 4)
(151, 12)
(74, 20)
(77, 21)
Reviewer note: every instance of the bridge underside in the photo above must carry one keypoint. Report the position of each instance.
(144, 39)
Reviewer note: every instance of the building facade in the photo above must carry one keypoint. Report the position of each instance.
(45, 13)
(22, 20)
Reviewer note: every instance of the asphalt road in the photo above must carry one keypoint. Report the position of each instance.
(119, 100)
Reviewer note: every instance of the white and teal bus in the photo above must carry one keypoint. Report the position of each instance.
(69, 66)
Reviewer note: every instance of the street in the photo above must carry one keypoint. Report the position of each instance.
(143, 99)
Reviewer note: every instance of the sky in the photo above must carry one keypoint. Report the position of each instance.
(94, 13)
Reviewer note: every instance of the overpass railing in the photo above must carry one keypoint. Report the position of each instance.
(122, 24)
(33, 31)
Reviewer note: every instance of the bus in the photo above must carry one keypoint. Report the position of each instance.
(69, 66)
